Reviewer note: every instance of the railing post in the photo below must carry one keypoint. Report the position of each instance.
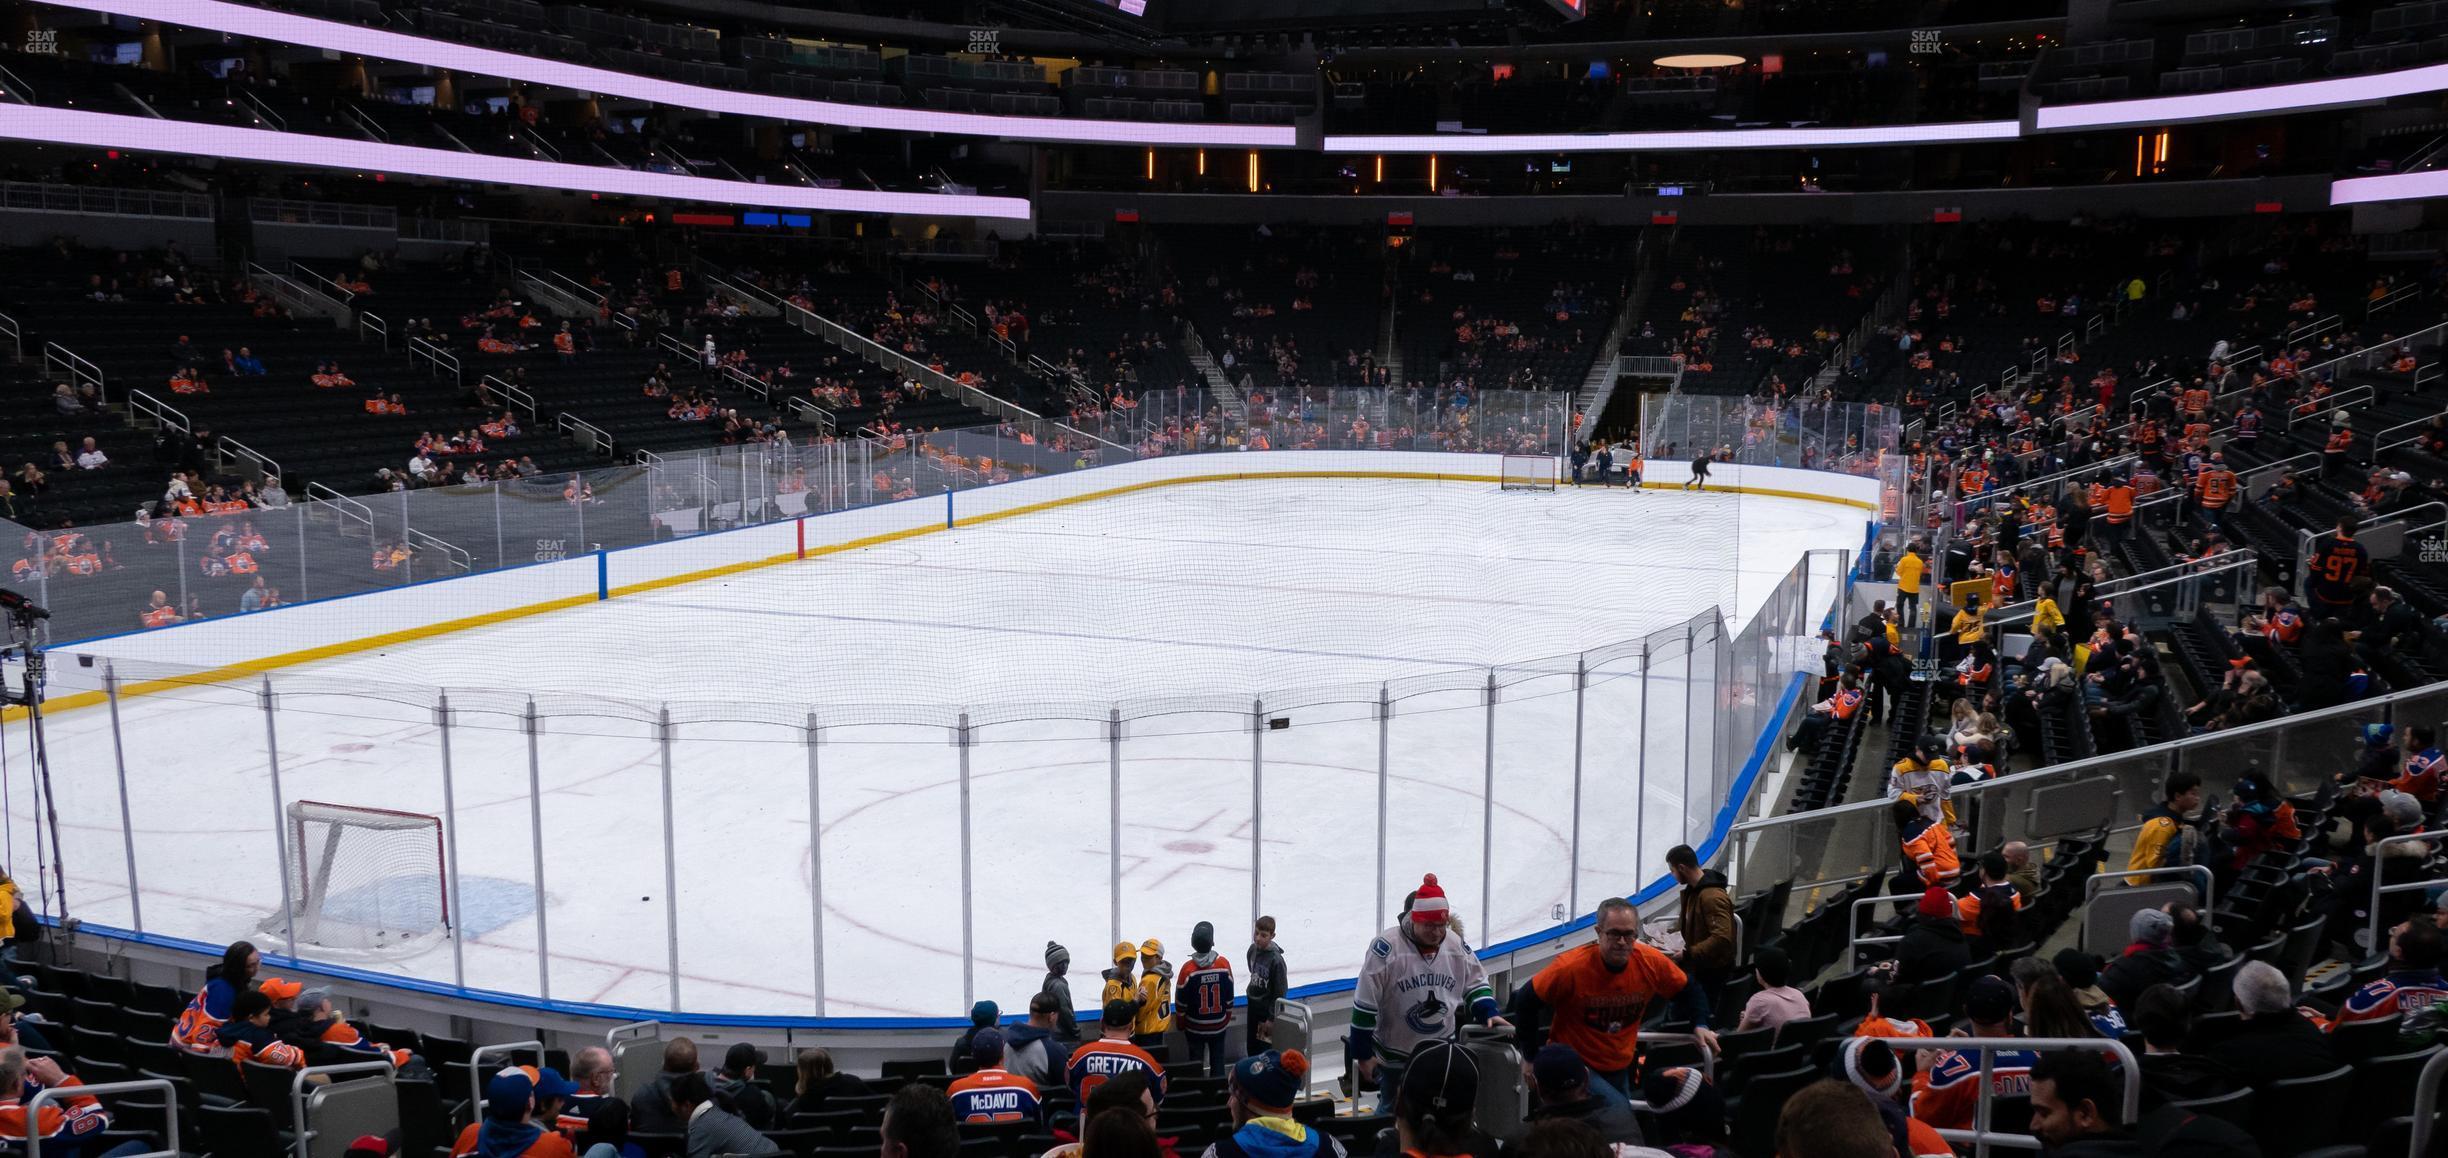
(1258, 728)
(1385, 716)
(1572, 887)
(450, 841)
(815, 740)
(963, 738)
(127, 826)
(535, 834)
(280, 820)
(1113, 820)
(664, 736)
(1487, 816)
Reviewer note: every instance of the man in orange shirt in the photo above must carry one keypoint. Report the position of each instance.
(1597, 995)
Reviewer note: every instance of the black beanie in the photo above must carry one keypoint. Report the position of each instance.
(1202, 937)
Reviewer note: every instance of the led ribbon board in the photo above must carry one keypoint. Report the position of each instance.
(310, 32)
(1802, 138)
(113, 131)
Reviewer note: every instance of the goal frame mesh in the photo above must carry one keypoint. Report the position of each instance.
(312, 862)
(1529, 472)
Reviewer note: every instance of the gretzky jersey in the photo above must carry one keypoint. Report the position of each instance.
(1098, 1060)
(1203, 996)
(996, 1095)
(1406, 998)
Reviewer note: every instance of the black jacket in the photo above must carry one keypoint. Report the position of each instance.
(1614, 1121)
(2138, 969)
(2183, 1077)
(2273, 1047)
(1933, 949)
(650, 1108)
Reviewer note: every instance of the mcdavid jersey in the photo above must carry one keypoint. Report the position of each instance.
(995, 1095)
(1405, 999)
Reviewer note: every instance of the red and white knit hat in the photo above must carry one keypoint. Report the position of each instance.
(1428, 906)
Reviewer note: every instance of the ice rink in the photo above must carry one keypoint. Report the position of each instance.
(1183, 607)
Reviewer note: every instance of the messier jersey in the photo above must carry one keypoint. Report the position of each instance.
(1406, 998)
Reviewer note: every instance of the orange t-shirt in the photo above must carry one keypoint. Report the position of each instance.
(1598, 1011)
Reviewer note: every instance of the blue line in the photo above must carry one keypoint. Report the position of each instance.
(947, 508)
(603, 576)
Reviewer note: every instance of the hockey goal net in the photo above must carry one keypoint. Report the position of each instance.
(1529, 472)
(364, 878)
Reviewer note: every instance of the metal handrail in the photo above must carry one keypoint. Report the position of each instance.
(59, 357)
(2380, 442)
(802, 408)
(15, 335)
(2099, 882)
(296, 296)
(2073, 474)
(2426, 1102)
(162, 413)
(439, 358)
(517, 396)
(597, 438)
(368, 320)
(2371, 921)
(331, 288)
(170, 1110)
(2314, 329)
(297, 1093)
(455, 556)
(263, 462)
(342, 505)
(1980, 1135)
(2168, 576)
(477, 1058)
(745, 381)
(2391, 298)
(570, 285)
(1853, 933)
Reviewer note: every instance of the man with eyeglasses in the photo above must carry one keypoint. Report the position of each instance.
(1595, 997)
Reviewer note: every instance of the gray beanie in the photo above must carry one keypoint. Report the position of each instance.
(2151, 927)
(1056, 956)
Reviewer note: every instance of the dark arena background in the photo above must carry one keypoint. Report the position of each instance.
(1288, 578)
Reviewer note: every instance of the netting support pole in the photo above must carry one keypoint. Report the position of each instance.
(450, 841)
(1691, 684)
(1487, 822)
(1258, 727)
(963, 739)
(182, 566)
(408, 571)
(303, 593)
(1572, 888)
(1113, 819)
(280, 821)
(501, 547)
(535, 840)
(1385, 720)
(127, 825)
(671, 864)
(815, 739)
(1640, 771)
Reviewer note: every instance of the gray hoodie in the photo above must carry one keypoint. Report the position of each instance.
(1267, 981)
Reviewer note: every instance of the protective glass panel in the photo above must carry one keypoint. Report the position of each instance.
(891, 801)
(495, 844)
(196, 773)
(1041, 868)
(1533, 863)
(1615, 759)
(361, 788)
(740, 828)
(1321, 829)
(1436, 753)
(1186, 826)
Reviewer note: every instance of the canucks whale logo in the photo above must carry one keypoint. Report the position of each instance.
(1429, 1016)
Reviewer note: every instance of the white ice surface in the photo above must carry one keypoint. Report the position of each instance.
(1183, 604)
